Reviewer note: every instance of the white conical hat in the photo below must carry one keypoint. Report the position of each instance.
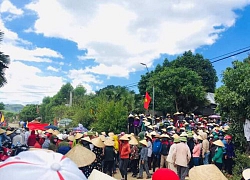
(97, 175)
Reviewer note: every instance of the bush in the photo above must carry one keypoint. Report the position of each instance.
(242, 161)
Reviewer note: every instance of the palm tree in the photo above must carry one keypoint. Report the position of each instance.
(4, 61)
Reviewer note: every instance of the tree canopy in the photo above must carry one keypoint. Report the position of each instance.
(233, 97)
(4, 62)
(169, 96)
(178, 89)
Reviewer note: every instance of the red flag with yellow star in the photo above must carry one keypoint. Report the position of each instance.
(147, 101)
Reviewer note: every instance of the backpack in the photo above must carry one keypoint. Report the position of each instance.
(157, 147)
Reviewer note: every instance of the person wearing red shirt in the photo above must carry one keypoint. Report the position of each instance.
(32, 138)
(124, 156)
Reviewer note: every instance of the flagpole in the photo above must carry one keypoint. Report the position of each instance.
(153, 90)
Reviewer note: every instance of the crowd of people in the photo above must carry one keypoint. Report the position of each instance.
(174, 142)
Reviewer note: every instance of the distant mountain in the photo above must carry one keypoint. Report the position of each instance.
(13, 107)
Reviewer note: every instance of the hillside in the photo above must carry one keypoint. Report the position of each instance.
(13, 107)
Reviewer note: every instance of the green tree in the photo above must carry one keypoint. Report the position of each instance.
(118, 93)
(4, 62)
(201, 66)
(2, 106)
(178, 89)
(29, 112)
(110, 115)
(233, 98)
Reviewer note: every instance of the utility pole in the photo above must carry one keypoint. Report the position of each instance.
(153, 92)
(70, 99)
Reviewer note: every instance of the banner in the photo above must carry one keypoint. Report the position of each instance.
(36, 126)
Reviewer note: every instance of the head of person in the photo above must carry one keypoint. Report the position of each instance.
(228, 138)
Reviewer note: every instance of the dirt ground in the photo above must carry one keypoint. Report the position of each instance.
(118, 175)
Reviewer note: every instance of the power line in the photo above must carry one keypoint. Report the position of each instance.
(229, 53)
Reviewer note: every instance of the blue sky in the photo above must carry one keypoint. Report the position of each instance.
(99, 43)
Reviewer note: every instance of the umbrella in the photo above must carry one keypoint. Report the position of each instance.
(51, 127)
(80, 129)
(65, 121)
(215, 116)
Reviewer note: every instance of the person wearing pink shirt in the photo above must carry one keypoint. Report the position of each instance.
(196, 152)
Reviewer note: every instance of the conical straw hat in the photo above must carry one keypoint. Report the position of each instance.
(146, 123)
(86, 139)
(2, 131)
(153, 133)
(148, 135)
(8, 133)
(103, 138)
(81, 156)
(109, 142)
(206, 172)
(56, 132)
(71, 138)
(124, 138)
(133, 141)
(51, 131)
(110, 134)
(78, 135)
(97, 175)
(60, 136)
(164, 136)
(218, 143)
(175, 136)
(183, 134)
(144, 142)
(98, 142)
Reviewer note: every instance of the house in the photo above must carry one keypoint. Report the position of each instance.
(209, 109)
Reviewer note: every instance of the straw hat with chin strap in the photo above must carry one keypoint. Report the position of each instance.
(81, 156)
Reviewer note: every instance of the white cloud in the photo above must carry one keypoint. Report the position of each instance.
(121, 34)
(26, 85)
(50, 68)
(8, 7)
(83, 76)
(22, 50)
